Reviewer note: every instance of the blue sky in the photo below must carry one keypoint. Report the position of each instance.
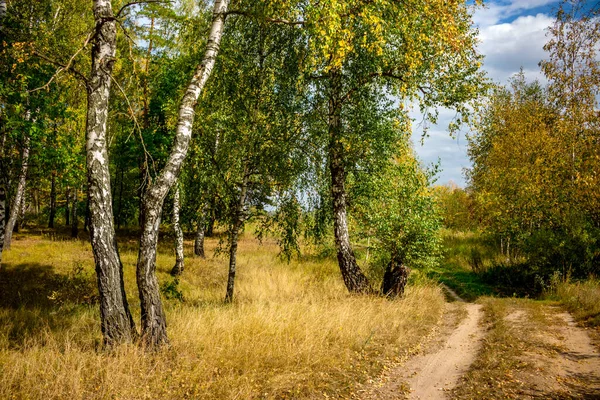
(512, 35)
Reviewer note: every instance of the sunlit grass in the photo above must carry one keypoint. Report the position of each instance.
(293, 331)
(582, 298)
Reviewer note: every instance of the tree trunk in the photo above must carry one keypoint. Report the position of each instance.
(68, 207)
(74, 225)
(153, 320)
(179, 264)
(21, 218)
(14, 212)
(2, 213)
(52, 201)
(394, 279)
(234, 236)
(199, 241)
(355, 280)
(210, 225)
(36, 201)
(2, 14)
(116, 321)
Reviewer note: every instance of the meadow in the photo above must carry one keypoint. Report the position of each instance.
(293, 331)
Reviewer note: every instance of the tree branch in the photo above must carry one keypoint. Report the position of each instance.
(133, 3)
(267, 19)
(64, 67)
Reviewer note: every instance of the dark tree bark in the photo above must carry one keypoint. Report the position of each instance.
(74, 225)
(52, 201)
(154, 332)
(395, 278)
(3, 185)
(68, 207)
(354, 279)
(116, 321)
(179, 260)
(210, 225)
(14, 212)
(238, 223)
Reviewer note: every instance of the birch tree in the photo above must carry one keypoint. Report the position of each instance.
(116, 320)
(20, 193)
(421, 51)
(153, 318)
(256, 107)
(179, 258)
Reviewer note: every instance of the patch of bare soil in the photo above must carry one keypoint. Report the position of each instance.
(564, 363)
(446, 357)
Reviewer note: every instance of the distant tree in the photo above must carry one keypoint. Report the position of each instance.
(456, 207)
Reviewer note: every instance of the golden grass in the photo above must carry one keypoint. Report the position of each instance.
(581, 298)
(292, 331)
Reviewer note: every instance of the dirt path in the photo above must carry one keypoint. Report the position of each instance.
(430, 375)
(446, 358)
(533, 351)
(559, 358)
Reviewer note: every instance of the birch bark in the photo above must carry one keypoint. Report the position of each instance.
(116, 320)
(154, 331)
(17, 204)
(354, 279)
(179, 260)
(2, 14)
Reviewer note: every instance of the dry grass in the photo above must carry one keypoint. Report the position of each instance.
(292, 332)
(582, 299)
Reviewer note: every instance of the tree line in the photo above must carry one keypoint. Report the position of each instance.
(533, 186)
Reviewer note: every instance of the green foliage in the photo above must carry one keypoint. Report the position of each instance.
(456, 207)
(394, 205)
(456, 269)
(171, 290)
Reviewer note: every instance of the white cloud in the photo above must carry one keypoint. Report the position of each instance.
(493, 13)
(510, 46)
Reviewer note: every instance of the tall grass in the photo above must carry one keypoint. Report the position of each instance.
(292, 332)
(582, 298)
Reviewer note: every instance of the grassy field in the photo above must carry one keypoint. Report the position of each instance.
(292, 331)
(461, 251)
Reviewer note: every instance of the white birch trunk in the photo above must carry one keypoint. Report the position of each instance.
(2, 14)
(116, 321)
(18, 203)
(154, 331)
(179, 261)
